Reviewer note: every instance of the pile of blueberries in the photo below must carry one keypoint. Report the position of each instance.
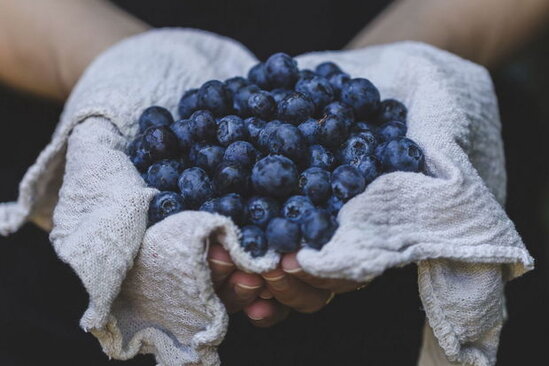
(279, 152)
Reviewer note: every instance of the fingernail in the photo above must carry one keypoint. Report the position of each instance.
(248, 287)
(291, 265)
(221, 263)
(275, 278)
(266, 295)
(254, 318)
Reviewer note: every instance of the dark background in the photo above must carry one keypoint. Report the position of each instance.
(41, 300)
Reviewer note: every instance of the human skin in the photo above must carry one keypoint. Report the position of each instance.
(46, 45)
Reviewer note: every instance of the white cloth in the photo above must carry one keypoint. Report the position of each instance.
(150, 289)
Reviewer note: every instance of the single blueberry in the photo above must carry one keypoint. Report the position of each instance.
(337, 81)
(203, 125)
(216, 97)
(309, 130)
(260, 210)
(354, 149)
(265, 134)
(240, 100)
(279, 94)
(241, 152)
(254, 126)
(318, 89)
(320, 157)
(306, 74)
(275, 175)
(333, 205)
(234, 84)
(161, 142)
(315, 184)
(370, 167)
(184, 134)
(209, 206)
(262, 104)
(139, 155)
(391, 110)
(232, 177)
(163, 174)
(230, 129)
(193, 152)
(369, 136)
(288, 141)
(283, 236)
(326, 69)
(231, 205)
(332, 131)
(153, 117)
(281, 71)
(253, 241)
(297, 207)
(347, 182)
(391, 130)
(195, 186)
(208, 157)
(317, 228)
(341, 110)
(258, 76)
(188, 103)
(402, 154)
(295, 108)
(163, 205)
(362, 95)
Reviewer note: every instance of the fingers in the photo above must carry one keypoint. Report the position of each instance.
(291, 266)
(294, 293)
(240, 290)
(266, 313)
(221, 264)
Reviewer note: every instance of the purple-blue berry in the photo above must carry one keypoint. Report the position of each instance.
(242, 152)
(295, 108)
(370, 167)
(155, 116)
(362, 96)
(260, 210)
(275, 176)
(236, 83)
(391, 130)
(241, 97)
(208, 157)
(202, 124)
(318, 89)
(309, 130)
(327, 69)
(184, 134)
(230, 129)
(195, 186)
(163, 205)
(347, 182)
(402, 154)
(332, 131)
(258, 76)
(254, 126)
(253, 241)
(231, 205)
(391, 110)
(315, 184)
(355, 148)
(281, 71)
(216, 97)
(287, 140)
(163, 175)
(297, 207)
(232, 177)
(320, 157)
(161, 142)
(188, 103)
(317, 228)
(283, 235)
(341, 110)
(262, 104)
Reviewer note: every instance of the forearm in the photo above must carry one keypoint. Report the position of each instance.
(45, 45)
(483, 31)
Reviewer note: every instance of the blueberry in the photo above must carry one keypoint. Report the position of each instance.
(370, 167)
(333, 205)
(208, 157)
(279, 94)
(368, 135)
(283, 236)
(317, 228)
(341, 110)
(260, 210)
(355, 148)
(275, 175)
(362, 95)
(391, 110)
(254, 126)
(347, 182)
(306, 74)
(332, 131)
(309, 130)
(163, 175)
(326, 69)
(160, 141)
(203, 125)
(188, 103)
(315, 184)
(363, 126)
(258, 76)
(231, 177)
(297, 207)
(240, 99)
(193, 152)
(234, 84)
(320, 157)
(402, 154)
(253, 241)
(265, 134)
(318, 89)
(153, 117)
(184, 134)
(391, 130)
(195, 186)
(231, 205)
(216, 97)
(241, 152)
(262, 104)
(295, 108)
(209, 206)
(281, 71)
(287, 140)
(230, 129)
(337, 81)
(139, 155)
(163, 205)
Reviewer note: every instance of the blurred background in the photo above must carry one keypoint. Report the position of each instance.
(42, 300)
